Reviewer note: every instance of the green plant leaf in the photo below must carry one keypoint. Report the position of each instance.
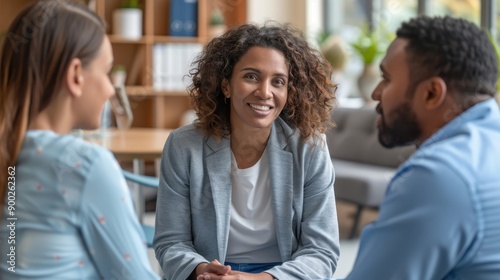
(118, 67)
(131, 4)
(368, 45)
(323, 37)
(216, 18)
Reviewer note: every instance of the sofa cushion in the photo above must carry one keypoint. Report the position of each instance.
(363, 167)
(355, 138)
(363, 184)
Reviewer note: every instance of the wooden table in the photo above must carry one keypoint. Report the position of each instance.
(132, 143)
(136, 144)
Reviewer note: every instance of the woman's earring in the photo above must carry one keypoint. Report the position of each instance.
(225, 99)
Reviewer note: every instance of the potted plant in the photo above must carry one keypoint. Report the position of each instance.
(118, 75)
(127, 20)
(368, 46)
(216, 24)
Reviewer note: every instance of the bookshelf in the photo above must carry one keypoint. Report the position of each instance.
(151, 107)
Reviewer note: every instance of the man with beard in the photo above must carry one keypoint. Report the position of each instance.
(440, 218)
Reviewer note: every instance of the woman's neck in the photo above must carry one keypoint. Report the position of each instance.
(247, 148)
(55, 117)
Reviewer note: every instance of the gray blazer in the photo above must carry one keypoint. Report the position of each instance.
(194, 199)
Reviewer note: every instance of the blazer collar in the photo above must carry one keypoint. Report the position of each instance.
(280, 132)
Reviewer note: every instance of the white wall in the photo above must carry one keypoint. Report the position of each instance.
(291, 11)
(306, 15)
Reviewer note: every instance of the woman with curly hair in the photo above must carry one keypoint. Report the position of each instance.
(246, 192)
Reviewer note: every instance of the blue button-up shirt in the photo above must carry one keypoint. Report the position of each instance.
(440, 218)
(72, 217)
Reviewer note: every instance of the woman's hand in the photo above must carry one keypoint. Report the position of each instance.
(235, 275)
(214, 268)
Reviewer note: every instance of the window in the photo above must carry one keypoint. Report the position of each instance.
(467, 9)
(347, 18)
(394, 12)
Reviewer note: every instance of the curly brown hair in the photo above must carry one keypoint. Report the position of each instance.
(311, 93)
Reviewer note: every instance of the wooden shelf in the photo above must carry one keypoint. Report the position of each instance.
(147, 91)
(116, 39)
(152, 108)
(169, 39)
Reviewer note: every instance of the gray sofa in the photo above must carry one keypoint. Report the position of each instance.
(363, 167)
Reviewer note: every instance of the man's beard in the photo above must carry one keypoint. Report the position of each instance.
(403, 130)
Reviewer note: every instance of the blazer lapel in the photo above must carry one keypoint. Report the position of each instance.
(281, 180)
(218, 165)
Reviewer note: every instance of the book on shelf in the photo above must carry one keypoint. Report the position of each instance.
(171, 64)
(183, 18)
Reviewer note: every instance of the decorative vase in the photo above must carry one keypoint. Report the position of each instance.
(367, 82)
(118, 78)
(127, 22)
(121, 108)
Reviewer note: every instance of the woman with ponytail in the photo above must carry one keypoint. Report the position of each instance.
(66, 210)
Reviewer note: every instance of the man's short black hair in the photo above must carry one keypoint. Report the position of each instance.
(454, 49)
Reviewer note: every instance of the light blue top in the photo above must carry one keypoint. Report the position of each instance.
(75, 218)
(194, 202)
(440, 218)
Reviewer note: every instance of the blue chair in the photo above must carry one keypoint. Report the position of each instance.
(146, 181)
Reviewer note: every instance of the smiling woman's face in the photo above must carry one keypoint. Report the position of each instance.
(258, 89)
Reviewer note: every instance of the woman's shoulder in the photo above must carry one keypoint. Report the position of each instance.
(285, 133)
(186, 131)
(64, 164)
(187, 134)
(63, 149)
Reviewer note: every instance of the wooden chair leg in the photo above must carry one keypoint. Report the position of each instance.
(355, 224)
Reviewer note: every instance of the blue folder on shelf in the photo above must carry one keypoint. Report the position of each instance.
(183, 18)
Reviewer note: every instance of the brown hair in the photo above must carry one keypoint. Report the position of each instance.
(35, 54)
(310, 89)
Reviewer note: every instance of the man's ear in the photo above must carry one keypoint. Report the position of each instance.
(434, 91)
(74, 77)
(225, 88)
